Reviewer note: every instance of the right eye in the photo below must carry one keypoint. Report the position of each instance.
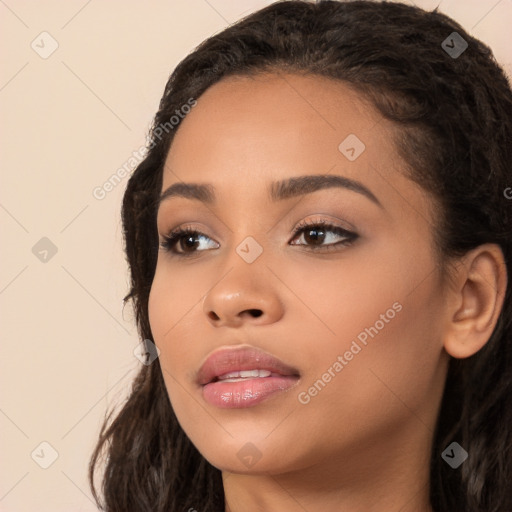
(184, 241)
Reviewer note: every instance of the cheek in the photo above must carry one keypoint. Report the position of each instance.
(380, 313)
(390, 352)
(173, 300)
(376, 393)
(167, 314)
(161, 304)
(174, 308)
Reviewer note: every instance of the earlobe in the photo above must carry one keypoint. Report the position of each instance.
(475, 301)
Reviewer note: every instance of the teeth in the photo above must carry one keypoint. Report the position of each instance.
(244, 374)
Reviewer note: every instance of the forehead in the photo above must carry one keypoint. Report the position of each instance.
(248, 131)
(256, 123)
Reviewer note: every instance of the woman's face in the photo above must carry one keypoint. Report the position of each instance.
(352, 309)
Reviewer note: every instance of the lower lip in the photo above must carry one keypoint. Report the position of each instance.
(247, 393)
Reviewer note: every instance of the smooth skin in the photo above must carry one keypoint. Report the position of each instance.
(362, 443)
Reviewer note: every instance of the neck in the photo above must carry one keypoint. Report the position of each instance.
(381, 478)
(267, 493)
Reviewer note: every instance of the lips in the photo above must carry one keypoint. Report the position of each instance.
(244, 377)
(233, 365)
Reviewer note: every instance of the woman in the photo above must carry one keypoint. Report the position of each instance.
(319, 244)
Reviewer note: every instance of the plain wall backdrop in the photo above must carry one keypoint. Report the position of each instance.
(79, 84)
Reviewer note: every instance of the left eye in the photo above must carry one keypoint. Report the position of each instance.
(317, 234)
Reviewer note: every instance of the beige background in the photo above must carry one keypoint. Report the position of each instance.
(69, 121)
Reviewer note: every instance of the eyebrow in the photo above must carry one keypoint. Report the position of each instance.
(278, 190)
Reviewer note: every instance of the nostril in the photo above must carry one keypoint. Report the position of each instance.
(256, 313)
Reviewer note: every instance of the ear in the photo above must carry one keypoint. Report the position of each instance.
(476, 296)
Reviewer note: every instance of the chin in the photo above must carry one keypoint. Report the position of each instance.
(250, 458)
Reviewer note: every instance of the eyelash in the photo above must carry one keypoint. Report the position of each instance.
(175, 236)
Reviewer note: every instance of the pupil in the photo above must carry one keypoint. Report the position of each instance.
(190, 242)
(318, 236)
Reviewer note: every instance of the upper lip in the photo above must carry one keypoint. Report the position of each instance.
(226, 360)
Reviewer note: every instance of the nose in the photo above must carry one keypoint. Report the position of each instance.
(243, 296)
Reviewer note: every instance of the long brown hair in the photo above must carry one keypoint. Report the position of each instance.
(454, 119)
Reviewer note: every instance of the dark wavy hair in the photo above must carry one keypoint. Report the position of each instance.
(454, 130)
